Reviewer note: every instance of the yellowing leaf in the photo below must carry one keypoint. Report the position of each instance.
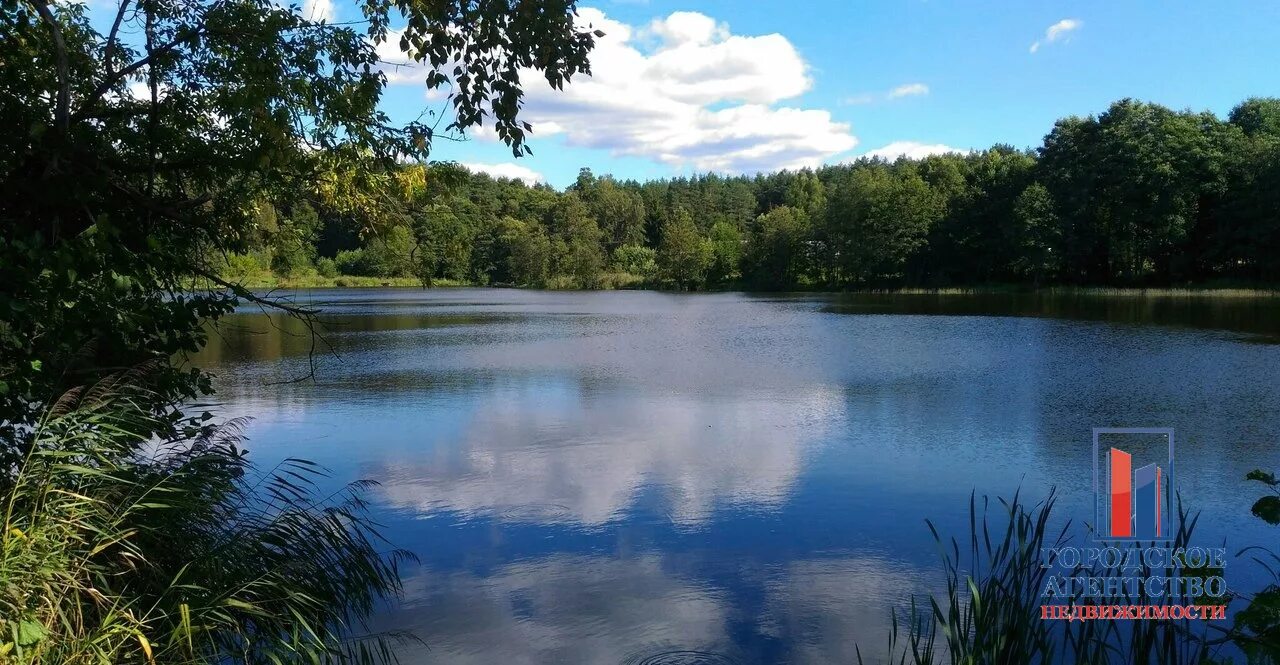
(146, 648)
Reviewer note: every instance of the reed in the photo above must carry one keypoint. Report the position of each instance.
(989, 612)
(121, 548)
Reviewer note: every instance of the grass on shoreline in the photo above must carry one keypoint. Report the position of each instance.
(1201, 291)
(261, 282)
(341, 281)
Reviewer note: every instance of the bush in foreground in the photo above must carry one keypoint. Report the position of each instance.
(120, 548)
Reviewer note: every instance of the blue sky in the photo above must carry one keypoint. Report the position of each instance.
(684, 86)
(984, 85)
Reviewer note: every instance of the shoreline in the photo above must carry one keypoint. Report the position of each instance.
(1196, 291)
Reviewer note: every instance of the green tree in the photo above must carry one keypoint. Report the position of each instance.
(876, 219)
(683, 254)
(444, 242)
(976, 239)
(619, 212)
(528, 252)
(391, 254)
(1039, 239)
(777, 253)
(112, 202)
(293, 244)
(1129, 185)
(580, 255)
(806, 194)
(636, 260)
(1244, 238)
(1257, 117)
(726, 252)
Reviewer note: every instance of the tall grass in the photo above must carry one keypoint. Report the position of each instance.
(120, 548)
(989, 612)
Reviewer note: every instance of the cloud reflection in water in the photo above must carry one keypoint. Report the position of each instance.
(596, 609)
(587, 463)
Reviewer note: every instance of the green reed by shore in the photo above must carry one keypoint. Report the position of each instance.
(990, 609)
(121, 548)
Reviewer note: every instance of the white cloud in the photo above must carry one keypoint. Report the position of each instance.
(313, 10)
(400, 68)
(909, 90)
(898, 92)
(911, 150)
(684, 91)
(506, 170)
(318, 10)
(689, 28)
(141, 90)
(1057, 31)
(860, 98)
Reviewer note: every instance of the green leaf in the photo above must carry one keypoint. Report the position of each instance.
(241, 605)
(30, 632)
(1268, 508)
(1262, 477)
(1263, 613)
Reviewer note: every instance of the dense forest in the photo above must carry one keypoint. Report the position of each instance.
(1140, 195)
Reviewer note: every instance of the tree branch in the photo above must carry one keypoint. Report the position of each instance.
(111, 37)
(309, 318)
(62, 112)
(241, 292)
(114, 78)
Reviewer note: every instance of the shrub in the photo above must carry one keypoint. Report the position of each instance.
(351, 262)
(610, 281)
(326, 267)
(243, 267)
(1257, 626)
(291, 262)
(561, 283)
(116, 548)
(391, 254)
(636, 259)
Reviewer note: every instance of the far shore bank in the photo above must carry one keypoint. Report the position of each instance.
(1189, 291)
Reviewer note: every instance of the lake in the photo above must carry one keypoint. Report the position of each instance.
(641, 477)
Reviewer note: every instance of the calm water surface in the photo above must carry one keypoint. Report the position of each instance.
(637, 477)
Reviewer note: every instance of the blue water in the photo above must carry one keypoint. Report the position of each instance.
(638, 477)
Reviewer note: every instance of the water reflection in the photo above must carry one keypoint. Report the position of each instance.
(585, 457)
(1258, 315)
(643, 609)
(830, 610)
(561, 609)
(648, 478)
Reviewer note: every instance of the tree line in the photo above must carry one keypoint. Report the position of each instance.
(1139, 195)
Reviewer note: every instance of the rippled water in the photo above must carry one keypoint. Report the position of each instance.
(636, 477)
